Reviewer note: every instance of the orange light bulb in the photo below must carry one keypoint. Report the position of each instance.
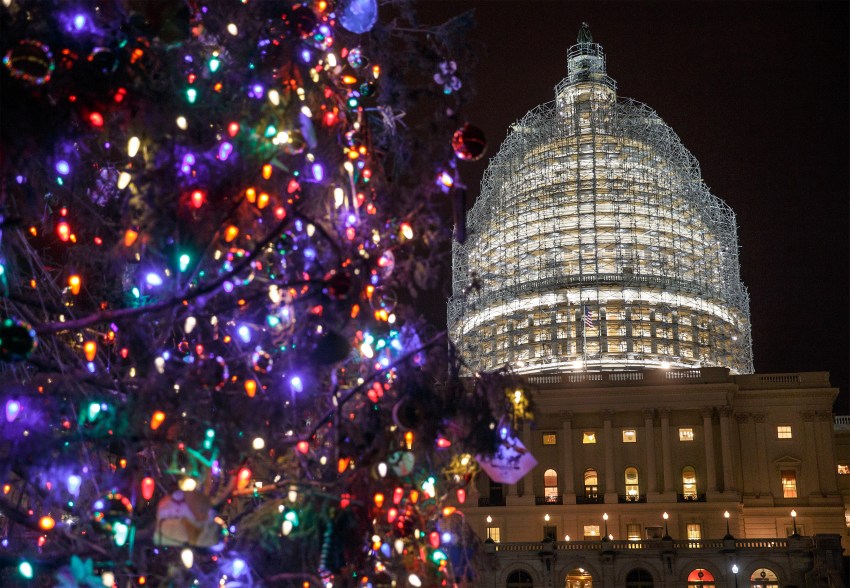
(157, 419)
(75, 282)
(90, 349)
(250, 388)
(46, 523)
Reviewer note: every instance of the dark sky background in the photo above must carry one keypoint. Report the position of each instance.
(757, 91)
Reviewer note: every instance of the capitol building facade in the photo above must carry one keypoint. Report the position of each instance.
(599, 266)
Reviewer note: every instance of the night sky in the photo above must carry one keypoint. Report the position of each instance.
(757, 91)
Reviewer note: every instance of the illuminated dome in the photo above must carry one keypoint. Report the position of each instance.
(596, 245)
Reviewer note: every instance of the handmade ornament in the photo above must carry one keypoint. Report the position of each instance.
(358, 16)
(17, 339)
(511, 461)
(401, 462)
(469, 143)
(186, 518)
(78, 574)
(112, 509)
(31, 61)
(446, 78)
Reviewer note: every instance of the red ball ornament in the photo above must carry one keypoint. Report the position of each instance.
(469, 143)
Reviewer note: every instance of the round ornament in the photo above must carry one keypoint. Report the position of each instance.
(17, 339)
(368, 89)
(355, 58)
(261, 361)
(383, 299)
(331, 348)
(358, 16)
(301, 19)
(408, 413)
(31, 61)
(337, 285)
(386, 263)
(112, 508)
(401, 462)
(103, 60)
(212, 372)
(469, 143)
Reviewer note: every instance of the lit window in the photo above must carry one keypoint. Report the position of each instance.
(689, 483)
(550, 485)
(694, 531)
(789, 483)
(591, 484)
(550, 439)
(700, 578)
(591, 531)
(783, 432)
(632, 488)
(629, 436)
(633, 531)
(588, 437)
(843, 469)
(686, 434)
(494, 533)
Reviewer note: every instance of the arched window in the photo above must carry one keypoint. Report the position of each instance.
(579, 578)
(689, 483)
(550, 485)
(632, 485)
(701, 578)
(519, 579)
(764, 578)
(639, 578)
(591, 484)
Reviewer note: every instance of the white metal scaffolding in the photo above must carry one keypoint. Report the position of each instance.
(597, 245)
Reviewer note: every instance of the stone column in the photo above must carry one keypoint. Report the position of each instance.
(829, 482)
(649, 434)
(666, 453)
(610, 485)
(763, 488)
(525, 486)
(708, 435)
(748, 442)
(726, 449)
(567, 470)
(811, 465)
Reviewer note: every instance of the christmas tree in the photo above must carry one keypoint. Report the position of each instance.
(216, 219)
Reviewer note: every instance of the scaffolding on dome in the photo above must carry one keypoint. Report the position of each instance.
(595, 244)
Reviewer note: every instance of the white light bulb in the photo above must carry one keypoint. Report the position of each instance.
(187, 556)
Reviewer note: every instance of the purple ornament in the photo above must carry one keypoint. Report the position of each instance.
(358, 16)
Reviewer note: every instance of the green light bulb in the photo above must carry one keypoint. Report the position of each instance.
(25, 568)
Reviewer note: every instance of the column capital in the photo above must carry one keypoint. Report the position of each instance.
(566, 416)
(648, 414)
(707, 412)
(742, 417)
(825, 415)
(759, 417)
(664, 413)
(808, 415)
(726, 411)
(608, 414)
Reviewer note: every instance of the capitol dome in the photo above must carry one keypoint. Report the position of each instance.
(595, 244)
